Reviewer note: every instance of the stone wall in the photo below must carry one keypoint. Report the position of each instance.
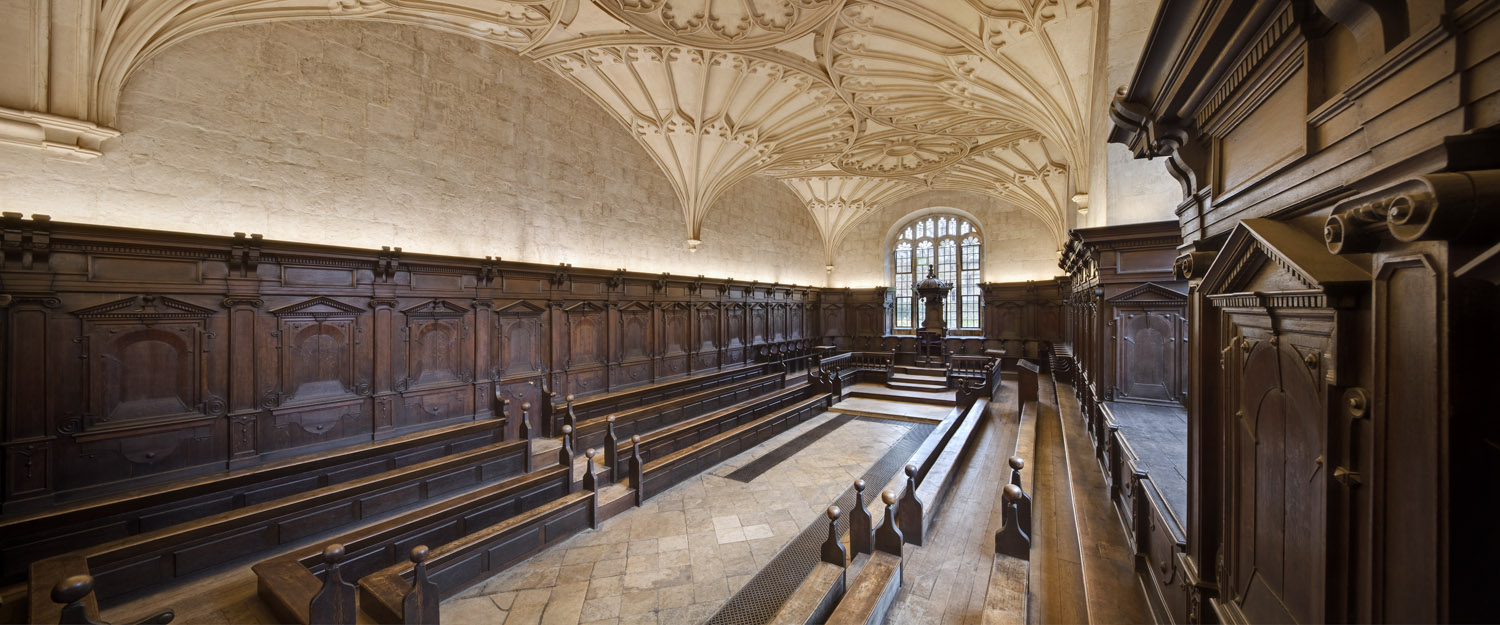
(1123, 190)
(369, 134)
(1017, 246)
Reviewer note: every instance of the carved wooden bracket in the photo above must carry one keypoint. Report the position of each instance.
(1444, 206)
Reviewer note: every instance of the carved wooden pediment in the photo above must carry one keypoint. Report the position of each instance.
(1272, 264)
(317, 306)
(151, 307)
(635, 306)
(436, 308)
(1149, 293)
(519, 307)
(582, 307)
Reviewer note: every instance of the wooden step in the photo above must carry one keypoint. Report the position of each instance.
(935, 398)
(913, 386)
(940, 381)
(27, 538)
(930, 372)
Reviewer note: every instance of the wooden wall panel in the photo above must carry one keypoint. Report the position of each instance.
(130, 357)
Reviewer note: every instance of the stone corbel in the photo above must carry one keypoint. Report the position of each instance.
(69, 138)
(1456, 207)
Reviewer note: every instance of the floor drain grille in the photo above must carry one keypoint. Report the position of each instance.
(759, 600)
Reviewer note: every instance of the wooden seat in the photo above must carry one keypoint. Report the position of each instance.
(153, 558)
(25, 539)
(650, 417)
(668, 439)
(286, 583)
(597, 406)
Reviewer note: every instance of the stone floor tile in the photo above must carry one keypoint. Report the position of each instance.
(581, 555)
(637, 602)
(762, 530)
(604, 587)
(674, 596)
(608, 568)
(732, 535)
(565, 604)
(575, 573)
(599, 609)
(528, 607)
(474, 610)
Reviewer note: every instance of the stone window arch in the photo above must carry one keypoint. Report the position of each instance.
(953, 245)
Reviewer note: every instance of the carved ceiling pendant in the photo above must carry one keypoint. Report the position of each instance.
(725, 25)
(900, 153)
(710, 119)
(840, 201)
(1021, 169)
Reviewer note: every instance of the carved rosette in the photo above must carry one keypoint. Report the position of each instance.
(724, 24)
(711, 119)
(839, 201)
(977, 68)
(898, 153)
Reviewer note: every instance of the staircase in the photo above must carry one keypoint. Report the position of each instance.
(924, 379)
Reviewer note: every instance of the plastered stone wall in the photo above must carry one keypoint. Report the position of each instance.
(1017, 246)
(370, 134)
(1123, 189)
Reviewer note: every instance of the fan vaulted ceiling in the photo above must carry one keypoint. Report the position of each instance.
(850, 102)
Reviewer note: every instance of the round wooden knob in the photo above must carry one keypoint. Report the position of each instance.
(569, 397)
(526, 406)
(72, 588)
(567, 429)
(1017, 463)
(834, 512)
(333, 553)
(888, 497)
(636, 439)
(419, 553)
(911, 470)
(590, 453)
(1012, 492)
(610, 418)
(859, 485)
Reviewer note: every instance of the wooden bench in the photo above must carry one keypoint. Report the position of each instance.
(287, 583)
(669, 439)
(138, 562)
(872, 592)
(457, 564)
(26, 539)
(665, 472)
(668, 412)
(596, 406)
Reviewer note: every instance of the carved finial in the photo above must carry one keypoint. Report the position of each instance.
(911, 470)
(590, 452)
(834, 513)
(419, 553)
(859, 485)
(333, 553)
(1017, 463)
(1012, 492)
(888, 497)
(570, 398)
(72, 588)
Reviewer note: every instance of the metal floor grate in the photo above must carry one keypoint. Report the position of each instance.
(759, 600)
(756, 467)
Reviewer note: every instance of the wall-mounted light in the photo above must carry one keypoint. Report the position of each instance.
(693, 245)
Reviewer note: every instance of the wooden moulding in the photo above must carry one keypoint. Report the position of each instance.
(457, 564)
(287, 582)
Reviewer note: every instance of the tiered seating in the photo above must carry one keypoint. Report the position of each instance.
(478, 534)
(597, 406)
(25, 539)
(134, 542)
(828, 594)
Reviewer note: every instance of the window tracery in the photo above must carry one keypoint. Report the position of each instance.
(951, 245)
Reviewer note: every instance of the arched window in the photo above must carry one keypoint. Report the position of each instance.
(950, 243)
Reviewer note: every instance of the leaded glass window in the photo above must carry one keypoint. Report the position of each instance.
(950, 244)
